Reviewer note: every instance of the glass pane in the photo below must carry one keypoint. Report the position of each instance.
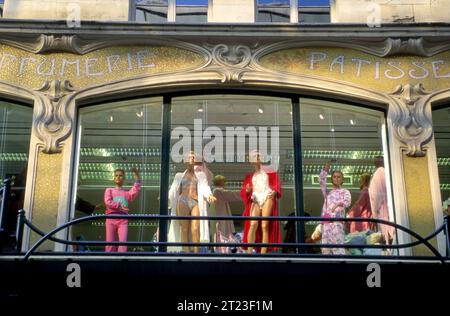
(15, 131)
(223, 130)
(311, 17)
(273, 2)
(442, 137)
(118, 135)
(343, 148)
(273, 11)
(153, 11)
(312, 11)
(192, 14)
(193, 2)
(313, 3)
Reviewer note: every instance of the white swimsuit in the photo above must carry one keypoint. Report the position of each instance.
(261, 189)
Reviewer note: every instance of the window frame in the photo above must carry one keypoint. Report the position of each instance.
(165, 162)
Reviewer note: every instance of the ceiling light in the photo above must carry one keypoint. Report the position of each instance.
(260, 110)
(200, 109)
(111, 118)
(321, 116)
(352, 122)
(140, 114)
(332, 130)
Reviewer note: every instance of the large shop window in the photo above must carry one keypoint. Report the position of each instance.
(229, 153)
(351, 140)
(15, 131)
(119, 135)
(441, 125)
(222, 130)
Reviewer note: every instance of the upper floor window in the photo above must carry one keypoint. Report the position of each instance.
(314, 11)
(192, 11)
(153, 11)
(273, 11)
(196, 11)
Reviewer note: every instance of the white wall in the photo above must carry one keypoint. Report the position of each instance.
(363, 11)
(106, 10)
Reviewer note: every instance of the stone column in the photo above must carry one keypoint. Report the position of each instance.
(48, 180)
(232, 11)
(411, 129)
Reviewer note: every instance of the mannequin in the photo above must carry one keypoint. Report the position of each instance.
(260, 192)
(224, 229)
(335, 202)
(362, 207)
(187, 196)
(378, 199)
(117, 200)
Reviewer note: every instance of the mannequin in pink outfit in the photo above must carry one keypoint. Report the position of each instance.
(116, 200)
(378, 199)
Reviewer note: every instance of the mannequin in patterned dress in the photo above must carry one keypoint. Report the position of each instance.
(335, 202)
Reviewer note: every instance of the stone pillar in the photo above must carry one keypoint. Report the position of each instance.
(232, 11)
(413, 156)
(49, 179)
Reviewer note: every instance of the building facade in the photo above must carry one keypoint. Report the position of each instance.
(95, 87)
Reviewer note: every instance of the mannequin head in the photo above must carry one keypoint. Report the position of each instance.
(379, 161)
(337, 178)
(255, 157)
(364, 180)
(219, 181)
(119, 177)
(191, 159)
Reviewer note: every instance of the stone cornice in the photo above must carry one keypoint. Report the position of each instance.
(40, 37)
(84, 44)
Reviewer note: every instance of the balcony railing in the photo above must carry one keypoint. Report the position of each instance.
(300, 247)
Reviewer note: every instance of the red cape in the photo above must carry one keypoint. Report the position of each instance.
(274, 226)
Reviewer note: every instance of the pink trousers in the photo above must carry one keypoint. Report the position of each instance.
(116, 227)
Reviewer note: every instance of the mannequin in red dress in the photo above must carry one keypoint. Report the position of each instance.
(260, 192)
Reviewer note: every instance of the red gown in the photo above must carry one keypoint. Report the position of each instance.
(361, 209)
(274, 226)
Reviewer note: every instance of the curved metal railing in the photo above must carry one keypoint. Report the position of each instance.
(22, 221)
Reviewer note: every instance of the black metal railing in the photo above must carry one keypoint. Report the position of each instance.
(22, 221)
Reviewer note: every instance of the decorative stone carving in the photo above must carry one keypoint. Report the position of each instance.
(411, 124)
(63, 43)
(52, 123)
(410, 46)
(231, 61)
(232, 56)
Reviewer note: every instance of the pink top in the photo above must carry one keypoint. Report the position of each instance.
(116, 200)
